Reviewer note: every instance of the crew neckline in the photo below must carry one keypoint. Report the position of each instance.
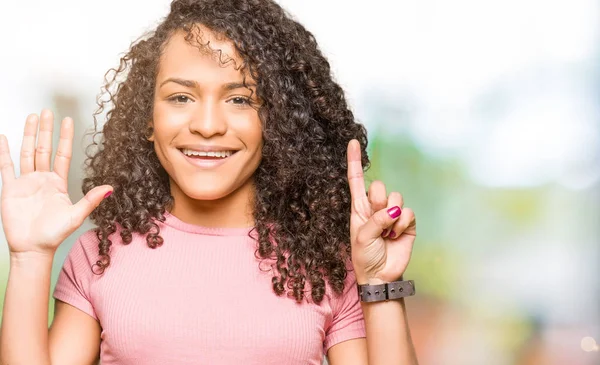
(178, 224)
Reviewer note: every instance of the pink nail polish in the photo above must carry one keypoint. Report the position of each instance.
(107, 194)
(392, 234)
(394, 212)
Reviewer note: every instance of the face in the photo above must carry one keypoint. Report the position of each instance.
(207, 133)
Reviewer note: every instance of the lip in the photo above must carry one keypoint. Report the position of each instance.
(207, 163)
(206, 148)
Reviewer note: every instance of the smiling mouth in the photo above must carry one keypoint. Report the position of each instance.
(203, 155)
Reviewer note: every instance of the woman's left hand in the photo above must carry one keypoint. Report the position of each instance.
(382, 232)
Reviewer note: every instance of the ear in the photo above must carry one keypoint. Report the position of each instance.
(149, 132)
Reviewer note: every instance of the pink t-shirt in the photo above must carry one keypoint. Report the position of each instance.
(200, 298)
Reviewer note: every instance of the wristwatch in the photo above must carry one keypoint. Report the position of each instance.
(382, 292)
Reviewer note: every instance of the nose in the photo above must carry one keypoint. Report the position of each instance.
(208, 120)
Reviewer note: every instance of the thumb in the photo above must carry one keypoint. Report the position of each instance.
(379, 222)
(84, 207)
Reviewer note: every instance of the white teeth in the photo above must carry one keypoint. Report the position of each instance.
(220, 154)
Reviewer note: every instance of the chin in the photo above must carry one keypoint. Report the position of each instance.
(206, 188)
(206, 194)
(209, 186)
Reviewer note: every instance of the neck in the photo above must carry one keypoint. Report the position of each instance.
(231, 211)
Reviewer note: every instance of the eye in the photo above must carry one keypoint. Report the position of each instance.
(240, 100)
(179, 99)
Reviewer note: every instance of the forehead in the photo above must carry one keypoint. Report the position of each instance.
(199, 50)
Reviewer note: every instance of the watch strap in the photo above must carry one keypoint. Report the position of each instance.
(386, 291)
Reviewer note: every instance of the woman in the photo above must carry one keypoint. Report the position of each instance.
(233, 220)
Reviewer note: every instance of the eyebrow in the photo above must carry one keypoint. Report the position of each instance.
(237, 85)
(182, 82)
(193, 84)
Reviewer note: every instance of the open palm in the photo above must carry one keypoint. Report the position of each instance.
(37, 214)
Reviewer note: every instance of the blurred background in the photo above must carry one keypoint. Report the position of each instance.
(484, 114)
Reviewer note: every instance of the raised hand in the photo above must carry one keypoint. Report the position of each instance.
(382, 233)
(37, 214)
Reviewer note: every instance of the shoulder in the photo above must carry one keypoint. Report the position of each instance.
(88, 239)
(84, 246)
(349, 285)
(87, 244)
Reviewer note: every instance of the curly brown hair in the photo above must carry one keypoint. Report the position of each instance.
(302, 197)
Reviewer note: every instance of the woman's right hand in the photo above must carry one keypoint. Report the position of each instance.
(37, 214)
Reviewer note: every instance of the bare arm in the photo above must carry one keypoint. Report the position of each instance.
(37, 216)
(388, 338)
(74, 337)
(382, 235)
(25, 316)
(388, 333)
(351, 352)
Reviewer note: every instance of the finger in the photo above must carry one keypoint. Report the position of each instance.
(62, 160)
(395, 199)
(378, 222)
(7, 169)
(377, 197)
(406, 224)
(84, 207)
(44, 143)
(356, 178)
(28, 146)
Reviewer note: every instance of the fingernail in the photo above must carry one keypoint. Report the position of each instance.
(107, 194)
(394, 212)
(392, 234)
(384, 233)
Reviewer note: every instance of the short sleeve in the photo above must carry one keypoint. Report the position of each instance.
(348, 321)
(75, 278)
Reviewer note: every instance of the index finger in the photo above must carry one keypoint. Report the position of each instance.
(356, 178)
(7, 169)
